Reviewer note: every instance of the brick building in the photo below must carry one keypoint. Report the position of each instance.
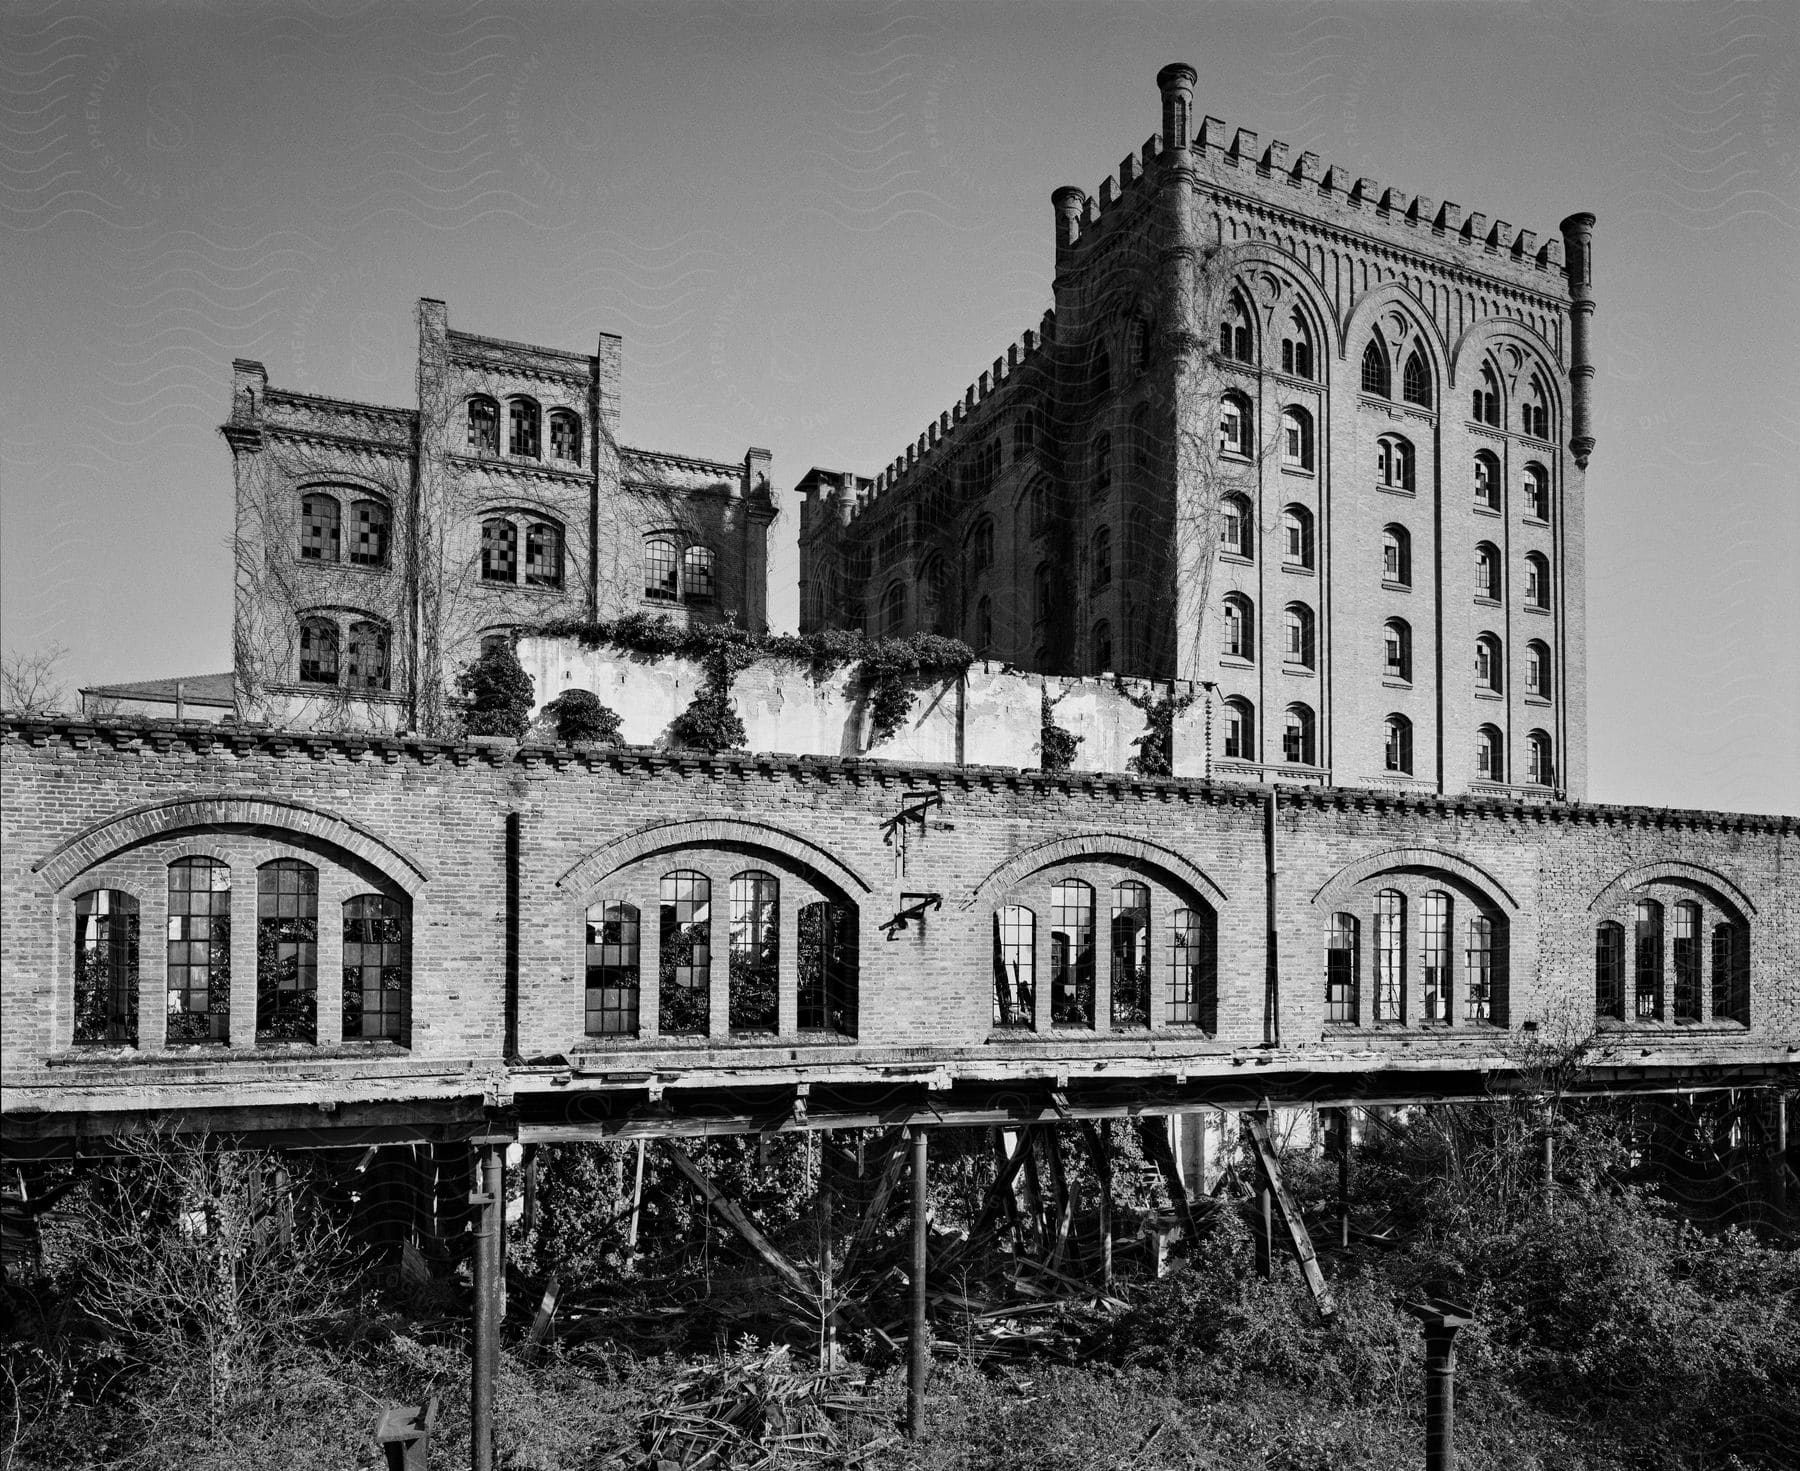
(1313, 439)
(377, 548)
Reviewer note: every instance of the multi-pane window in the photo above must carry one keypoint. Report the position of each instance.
(1101, 557)
(377, 969)
(1686, 956)
(318, 651)
(754, 954)
(1486, 406)
(1609, 970)
(1478, 971)
(1296, 439)
(1236, 530)
(1072, 954)
(827, 978)
(1394, 462)
(1537, 581)
(1103, 649)
(1240, 628)
(893, 611)
(1396, 556)
(1434, 956)
(106, 967)
(1375, 369)
(1297, 348)
(366, 656)
(1296, 537)
(684, 952)
(565, 436)
(1647, 945)
(1487, 483)
(981, 548)
(1487, 663)
(1534, 413)
(1725, 990)
(368, 534)
(522, 427)
(698, 585)
(661, 581)
(1194, 970)
(1537, 493)
(484, 426)
(287, 951)
(1240, 730)
(1131, 954)
(499, 550)
(1234, 333)
(1024, 434)
(1397, 649)
(1537, 669)
(1415, 380)
(1390, 955)
(1102, 455)
(1398, 745)
(199, 957)
(1297, 635)
(1487, 572)
(613, 949)
(1015, 966)
(1341, 960)
(1234, 425)
(1490, 758)
(1540, 767)
(1297, 735)
(319, 528)
(543, 554)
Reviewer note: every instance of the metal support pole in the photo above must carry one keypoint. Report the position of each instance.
(1265, 1233)
(829, 1326)
(1343, 1143)
(919, 1358)
(489, 1203)
(1780, 1192)
(1442, 1322)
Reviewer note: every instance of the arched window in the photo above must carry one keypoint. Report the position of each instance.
(1237, 531)
(1297, 735)
(1686, 954)
(106, 967)
(1488, 663)
(1297, 636)
(1024, 433)
(660, 577)
(1240, 729)
(1647, 945)
(1234, 332)
(1390, 956)
(697, 584)
(500, 638)
(199, 956)
(1131, 954)
(366, 662)
(377, 1000)
(1037, 507)
(1015, 966)
(1487, 483)
(1396, 555)
(1537, 670)
(1072, 954)
(1487, 572)
(984, 625)
(1478, 971)
(1534, 413)
(1102, 457)
(1537, 581)
(1486, 407)
(484, 426)
(684, 953)
(613, 943)
(565, 440)
(1342, 955)
(1103, 648)
(1194, 969)
(319, 514)
(754, 954)
(1540, 768)
(981, 547)
(1398, 744)
(1297, 347)
(1375, 368)
(1727, 975)
(368, 534)
(1235, 437)
(1297, 537)
(1140, 438)
(522, 427)
(499, 550)
(1609, 970)
(1296, 439)
(1415, 380)
(544, 554)
(1100, 557)
(893, 611)
(1490, 757)
(1394, 462)
(287, 951)
(318, 651)
(828, 969)
(1041, 593)
(1434, 956)
(1537, 493)
(1240, 627)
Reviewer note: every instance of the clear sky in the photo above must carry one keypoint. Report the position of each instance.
(814, 224)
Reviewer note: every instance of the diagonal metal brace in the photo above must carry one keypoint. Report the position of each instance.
(914, 806)
(912, 906)
(1290, 1216)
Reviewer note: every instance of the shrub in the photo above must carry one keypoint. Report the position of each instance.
(497, 694)
(579, 716)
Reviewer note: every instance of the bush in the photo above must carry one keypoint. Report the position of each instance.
(497, 694)
(578, 715)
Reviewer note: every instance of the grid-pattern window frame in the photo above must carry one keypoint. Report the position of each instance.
(1487, 572)
(1343, 965)
(1394, 464)
(1396, 556)
(1436, 917)
(753, 957)
(287, 951)
(1297, 537)
(1685, 954)
(1487, 482)
(1072, 957)
(1537, 669)
(1236, 527)
(1297, 735)
(499, 550)
(522, 428)
(1396, 649)
(377, 997)
(370, 528)
(318, 651)
(1609, 970)
(1375, 369)
(1240, 627)
(1490, 754)
(684, 952)
(1540, 759)
(1415, 380)
(1297, 636)
(698, 584)
(1488, 663)
(1240, 729)
(1390, 956)
(1537, 581)
(199, 953)
(1015, 967)
(1130, 947)
(366, 664)
(1647, 957)
(827, 975)
(662, 578)
(613, 954)
(1194, 970)
(484, 426)
(544, 554)
(1478, 970)
(1397, 744)
(320, 517)
(565, 436)
(1537, 493)
(106, 968)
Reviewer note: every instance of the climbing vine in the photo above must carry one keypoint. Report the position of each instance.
(1056, 745)
(1156, 746)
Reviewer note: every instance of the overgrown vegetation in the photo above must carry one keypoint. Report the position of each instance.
(1056, 745)
(1156, 746)
(578, 715)
(496, 694)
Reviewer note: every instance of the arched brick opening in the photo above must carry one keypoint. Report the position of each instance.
(1677, 870)
(1117, 846)
(1332, 894)
(587, 874)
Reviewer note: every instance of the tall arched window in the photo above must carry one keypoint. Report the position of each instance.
(318, 651)
(106, 967)
(544, 554)
(1434, 956)
(1235, 436)
(1100, 557)
(287, 951)
(828, 969)
(1390, 956)
(1537, 670)
(1394, 462)
(1609, 970)
(1131, 954)
(1297, 636)
(613, 949)
(1297, 735)
(1540, 767)
(1415, 380)
(893, 611)
(1537, 493)
(1486, 406)
(1490, 757)
(1297, 347)
(1487, 483)
(1534, 413)
(199, 956)
(1396, 555)
(1240, 729)
(319, 517)
(484, 426)
(565, 436)
(1398, 744)
(661, 580)
(1537, 581)
(377, 1001)
(1487, 572)
(499, 550)
(1478, 971)
(1396, 649)
(1727, 980)
(1037, 507)
(1234, 332)
(1297, 537)
(1102, 460)
(368, 534)
(697, 585)
(984, 625)
(1103, 647)
(1375, 368)
(522, 426)
(1072, 954)
(1685, 952)
(1024, 433)
(1240, 627)
(1015, 966)
(1341, 969)
(1194, 969)
(981, 547)
(366, 656)
(754, 957)
(1647, 945)
(1488, 663)
(684, 952)
(1237, 528)
(1140, 438)
(1296, 439)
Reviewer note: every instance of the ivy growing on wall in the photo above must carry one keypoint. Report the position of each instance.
(1156, 746)
(1056, 745)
